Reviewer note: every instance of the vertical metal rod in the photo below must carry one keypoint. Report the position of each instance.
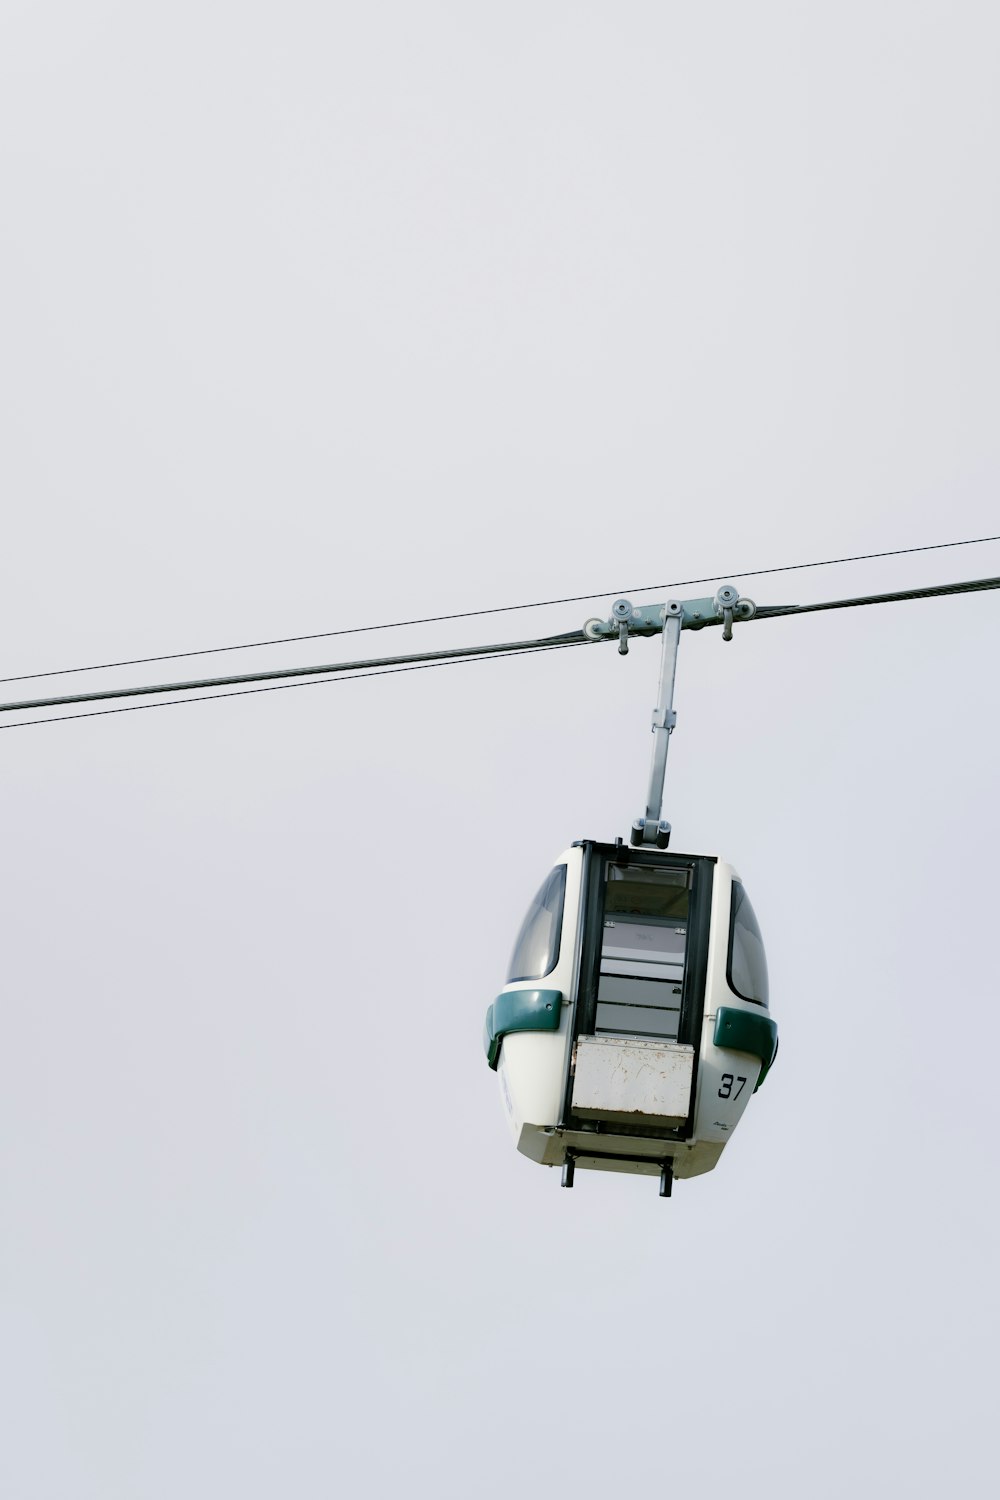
(569, 1169)
(666, 1179)
(664, 720)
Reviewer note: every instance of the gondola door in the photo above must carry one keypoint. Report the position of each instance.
(640, 993)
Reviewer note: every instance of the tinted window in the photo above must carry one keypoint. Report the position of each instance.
(648, 894)
(641, 982)
(537, 946)
(747, 970)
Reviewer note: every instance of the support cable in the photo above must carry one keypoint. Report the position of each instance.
(287, 640)
(936, 591)
(568, 638)
(372, 666)
(281, 687)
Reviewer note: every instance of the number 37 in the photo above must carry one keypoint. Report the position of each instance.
(727, 1085)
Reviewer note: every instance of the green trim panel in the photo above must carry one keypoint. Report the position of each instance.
(747, 1031)
(519, 1010)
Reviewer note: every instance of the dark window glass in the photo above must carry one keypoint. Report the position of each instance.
(642, 953)
(747, 970)
(537, 947)
(640, 892)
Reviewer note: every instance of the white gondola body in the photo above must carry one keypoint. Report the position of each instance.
(616, 1098)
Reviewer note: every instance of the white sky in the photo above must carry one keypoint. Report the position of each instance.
(318, 315)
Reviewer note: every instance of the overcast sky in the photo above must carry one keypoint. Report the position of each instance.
(316, 316)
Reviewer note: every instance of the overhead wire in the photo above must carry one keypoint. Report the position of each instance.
(335, 672)
(899, 596)
(468, 614)
(280, 687)
(377, 666)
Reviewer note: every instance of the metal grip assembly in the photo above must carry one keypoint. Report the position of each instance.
(668, 620)
(621, 612)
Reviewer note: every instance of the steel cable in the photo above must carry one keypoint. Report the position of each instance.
(286, 640)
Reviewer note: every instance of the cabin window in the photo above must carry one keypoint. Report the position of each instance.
(747, 969)
(643, 949)
(537, 948)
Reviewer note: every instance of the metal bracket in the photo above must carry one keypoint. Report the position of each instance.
(622, 614)
(724, 608)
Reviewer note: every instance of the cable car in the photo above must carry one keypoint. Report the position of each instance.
(633, 1027)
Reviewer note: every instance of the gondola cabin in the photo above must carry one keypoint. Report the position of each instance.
(633, 1027)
